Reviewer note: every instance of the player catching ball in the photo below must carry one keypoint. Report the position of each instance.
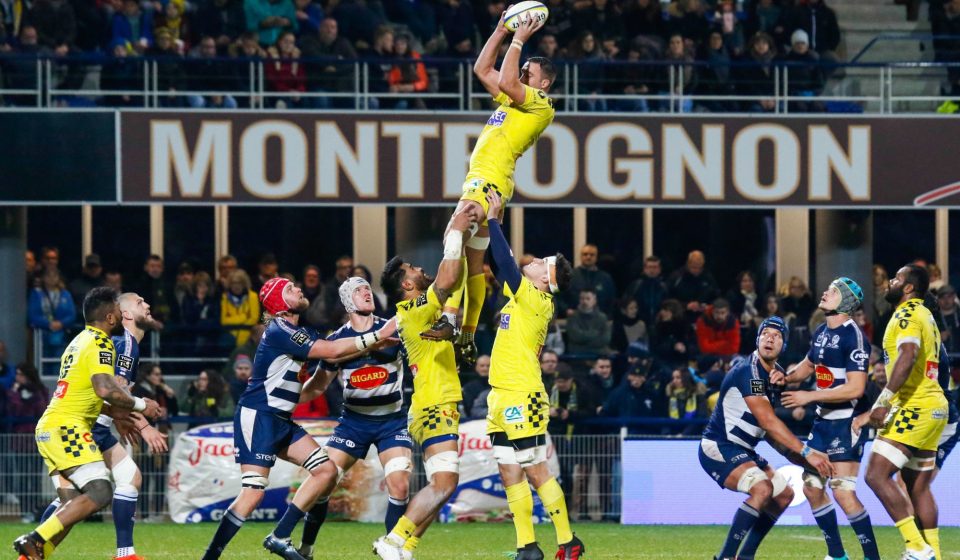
(524, 112)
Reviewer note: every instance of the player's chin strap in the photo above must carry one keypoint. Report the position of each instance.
(552, 274)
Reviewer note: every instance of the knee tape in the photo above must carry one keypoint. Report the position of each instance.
(779, 483)
(317, 458)
(124, 473)
(478, 243)
(57, 481)
(254, 480)
(505, 455)
(921, 463)
(397, 464)
(750, 478)
(848, 483)
(814, 480)
(890, 452)
(84, 474)
(100, 491)
(532, 456)
(444, 461)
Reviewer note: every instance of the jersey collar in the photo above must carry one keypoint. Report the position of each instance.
(97, 331)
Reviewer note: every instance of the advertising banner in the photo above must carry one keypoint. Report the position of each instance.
(595, 160)
(664, 484)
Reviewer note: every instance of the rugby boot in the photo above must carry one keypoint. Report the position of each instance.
(29, 546)
(926, 554)
(573, 550)
(466, 351)
(281, 547)
(529, 552)
(306, 555)
(442, 329)
(388, 550)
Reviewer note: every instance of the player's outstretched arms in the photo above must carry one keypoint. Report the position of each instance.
(450, 274)
(507, 270)
(483, 67)
(762, 410)
(317, 384)
(852, 389)
(107, 388)
(510, 69)
(331, 349)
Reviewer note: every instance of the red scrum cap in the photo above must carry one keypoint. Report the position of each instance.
(271, 296)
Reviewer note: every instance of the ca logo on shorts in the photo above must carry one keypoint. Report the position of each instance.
(513, 414)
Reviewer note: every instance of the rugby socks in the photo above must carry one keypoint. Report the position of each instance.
(411, 544)
(520, 500)
(312, 523)
(860, 523)
(756, 535)
(124, 510)
(403, 530)
(395, 509)
(50, 509)
(52, 526)
(552, 497)
(912, 538)
(476, 292)
(932, 536)
(826, 518)
(744, 520)
(290, 518)
(230, 523)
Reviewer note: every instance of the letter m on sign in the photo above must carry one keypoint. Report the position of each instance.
(171, 159)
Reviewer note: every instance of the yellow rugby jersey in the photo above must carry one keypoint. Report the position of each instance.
(510, 130)
(913, 323)
(90, 353)
(432, 363)
(514, 362)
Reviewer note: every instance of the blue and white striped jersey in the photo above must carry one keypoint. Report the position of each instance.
(835, 352)
(126, 366)
(731, 420)
(278, 368)
(372, 384)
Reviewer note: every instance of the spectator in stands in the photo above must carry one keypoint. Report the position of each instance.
(153, 288)
(267, 269)
(603, 18)
(587, 276)
(133, 26)
(730, 28)
(859, 317)
(628, 327)
(309, 15)
(182, 287)
(242, 371)
(756, 76)
(224, 20)
(331, 290)
(247, 48)
(718, 330)
(201, 312)
(270, 18)
(20, 72)
(685, 75)
(476, 390)
(51, 310)
(766, 16)
(56, 25)
(798, 301)
(456, 20)
(602, 381)
(635, 77)
(693, 285)
(327, 76)
(30, 267)
(648, 290)
(209, 75)
(315, 315)
(672, 340)
(744, 306)
(936, 277)
(114, 279)
(714, 77)
(407, 77)
(588, 331)
(26, 400)
(586, 52)
(225, 267)
(549, 364)
(635, 398)
(169, 67)
(123, 72)
(8, 372)
(569, 404)
(805, 77)
(949, 317)
(150, 384)
(359, 22)
(90, 277)
(248, 348)
(171, 19)
(643, 20)
(380, 55)
(820, 23)
(284, 74)
(206, 398)
(687, 18)
(239, 307)
(560, 23)
(554, 340)
(877, 383)
(685, 400)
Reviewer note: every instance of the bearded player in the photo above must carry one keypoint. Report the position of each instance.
(524, 112)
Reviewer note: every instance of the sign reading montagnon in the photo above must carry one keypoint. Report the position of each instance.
(324, 158)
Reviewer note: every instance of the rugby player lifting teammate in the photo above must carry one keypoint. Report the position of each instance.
(524, 112)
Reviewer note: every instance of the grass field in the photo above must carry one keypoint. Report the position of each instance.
(347, 541)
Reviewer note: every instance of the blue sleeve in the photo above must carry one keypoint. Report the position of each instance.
(858, 351)
(507, 270)
(297, 344)
(812, 352)
(35, 312)
(747, 385)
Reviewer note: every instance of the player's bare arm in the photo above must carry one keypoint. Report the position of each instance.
(331, 349)
(155, 439)
(796, 374)
(484, 68)
(510, 69)
(852, 389)
(316, 385)
(107, 388)
(450, 273)
(762, 410)
(898, 375)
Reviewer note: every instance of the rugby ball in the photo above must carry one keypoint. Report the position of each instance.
(519, 12)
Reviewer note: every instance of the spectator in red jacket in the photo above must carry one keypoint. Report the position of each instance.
(285, 72)
(718, 331)
(408, 75)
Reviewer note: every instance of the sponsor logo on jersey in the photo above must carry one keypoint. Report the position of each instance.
(859, 356)
(106, 358)
(300, 337)
(757, 387)
(61, 390)
(933, 370)
(513, 414)
(43, 437)
(505, 321)
(497, 118)
(824, 377)
(834, 341)
(125, 362)
(369, 377)
(939, 414)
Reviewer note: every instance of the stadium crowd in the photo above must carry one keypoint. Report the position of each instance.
(204, 46)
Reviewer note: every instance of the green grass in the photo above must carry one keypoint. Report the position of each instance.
(347, 541)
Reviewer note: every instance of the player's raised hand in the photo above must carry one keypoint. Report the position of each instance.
(153, 409)
(501, 28)
(859, 422)
(495, 205)
(528, 26)
(461, 221)
(821, 463)
(155, 439)
(795, 399)
(777, 377)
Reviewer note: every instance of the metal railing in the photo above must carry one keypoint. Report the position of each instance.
(333, 84)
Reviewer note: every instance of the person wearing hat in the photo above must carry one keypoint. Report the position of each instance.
(743, 417)
(90, 277)
(242, 370)
(806, 76)
(262, 425)
(839, 356)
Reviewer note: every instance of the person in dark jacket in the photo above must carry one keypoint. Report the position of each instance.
(693, 286)
(634, 398)
(648, 290)
(820, 23)
(745, 305)
(756, 76)
(476, 390)
(335, 72)
(805, 78)
(26, 401)
(672, 340)
(123, 72)
(570, 402)
(589, 276)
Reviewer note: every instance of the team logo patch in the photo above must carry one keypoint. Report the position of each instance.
(125, 362)
(300, 337)
(513, 414)
(106, 358)
(933, 370)
(758, 387)
(939, 414)
(859, 356)
(43, 437)
(497, 118)
(834, 341)
(505, 321)
(369, 377)
(61, 390)
(824, 377)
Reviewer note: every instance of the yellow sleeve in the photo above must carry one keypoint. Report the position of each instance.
(909, 330)
(97, 360)
(532, 99)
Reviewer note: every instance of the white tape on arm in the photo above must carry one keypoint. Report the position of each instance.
(139, 405)
(452, 245)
